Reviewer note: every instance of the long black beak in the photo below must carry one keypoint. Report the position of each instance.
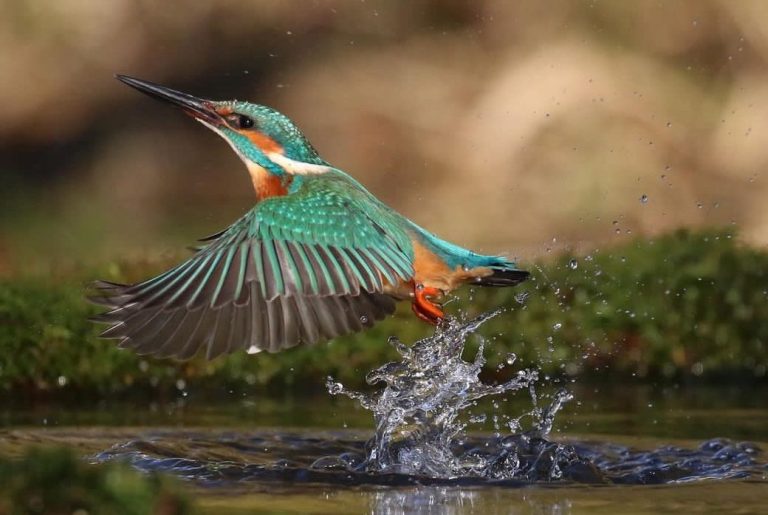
(196, 107)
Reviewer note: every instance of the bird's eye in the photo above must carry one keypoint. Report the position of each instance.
(240, 121)
(245, 122)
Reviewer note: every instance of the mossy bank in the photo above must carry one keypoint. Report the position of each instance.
(680, 305)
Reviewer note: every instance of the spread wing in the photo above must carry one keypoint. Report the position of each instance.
(296, 269)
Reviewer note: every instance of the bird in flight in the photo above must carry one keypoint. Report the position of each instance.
(318, 256)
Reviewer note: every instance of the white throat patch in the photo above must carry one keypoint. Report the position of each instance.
(297, 167)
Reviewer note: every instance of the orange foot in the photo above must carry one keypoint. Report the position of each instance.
(424, 308)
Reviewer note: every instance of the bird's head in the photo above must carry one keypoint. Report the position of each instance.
(262, 137)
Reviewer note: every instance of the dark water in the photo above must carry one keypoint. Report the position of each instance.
(423, 407)
(431, 437)
(242, 460)
(242, 456)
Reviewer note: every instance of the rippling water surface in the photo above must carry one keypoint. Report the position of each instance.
(442, 440)
(339, 458)
(422, 412)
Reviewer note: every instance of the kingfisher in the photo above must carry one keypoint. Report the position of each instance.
(317, 257)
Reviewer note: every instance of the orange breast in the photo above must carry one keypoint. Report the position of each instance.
(272, 186)
(267, 184)
(426, 265)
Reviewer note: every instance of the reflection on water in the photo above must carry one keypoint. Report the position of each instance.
(424, 500)
(449, 501)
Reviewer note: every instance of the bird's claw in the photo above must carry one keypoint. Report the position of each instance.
(423, 306)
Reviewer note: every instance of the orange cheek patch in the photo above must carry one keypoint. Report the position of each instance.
(264, 142)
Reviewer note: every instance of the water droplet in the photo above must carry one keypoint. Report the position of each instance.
(61, 381)
(253, 349)
(363, 319)
(511, 358)
(644, 198)
(333, 387)
(573, 264)
(477, 419)
(557, 326)
(669, 124)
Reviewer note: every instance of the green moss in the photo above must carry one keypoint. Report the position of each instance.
(685, 304)
(54, 481)
(682, 304)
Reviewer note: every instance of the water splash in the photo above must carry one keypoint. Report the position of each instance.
(421, 419)
(422, 413)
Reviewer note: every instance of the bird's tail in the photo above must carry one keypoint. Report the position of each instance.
(503, 275)
(503, 272)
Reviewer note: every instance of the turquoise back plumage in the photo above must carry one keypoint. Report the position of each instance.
(455, 256)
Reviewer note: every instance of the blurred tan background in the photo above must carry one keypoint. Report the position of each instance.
(512, 126)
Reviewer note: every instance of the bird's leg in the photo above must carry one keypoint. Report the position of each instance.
(423, 306)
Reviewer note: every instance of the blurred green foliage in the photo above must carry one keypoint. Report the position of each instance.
(53, 481)
(685, 304)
